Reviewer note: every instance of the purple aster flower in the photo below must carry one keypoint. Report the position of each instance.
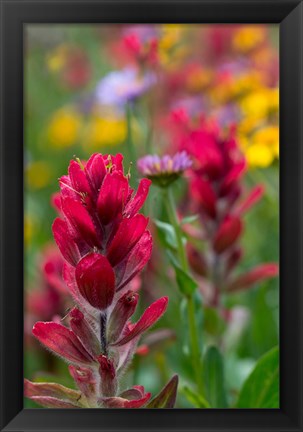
(120, 87)
(166, 169)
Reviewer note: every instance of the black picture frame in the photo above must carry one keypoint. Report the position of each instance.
(289, 15)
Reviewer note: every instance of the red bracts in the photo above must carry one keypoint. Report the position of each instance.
(105, 244)
(101, 233)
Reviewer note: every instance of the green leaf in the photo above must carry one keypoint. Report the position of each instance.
(213, 322)
(189, 219)
(194, 398)
(186, 283)
(167, 396)
(167, 234)
(213, 378)
(261, 388)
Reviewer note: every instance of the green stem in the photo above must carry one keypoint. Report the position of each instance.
(193, 331)
(129, 137)
(173, 218)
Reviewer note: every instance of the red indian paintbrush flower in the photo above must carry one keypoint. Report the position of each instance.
(101, 233)
(216, 189)
(105, 243)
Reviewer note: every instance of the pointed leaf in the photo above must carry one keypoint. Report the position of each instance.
(152, 314)
(189, 219)
(194, 398)
(167, 396)
(50, 389)
(186, 283)
(62, 342)
(51, 402)
(213, 378)
(261, 388)
(167, 233)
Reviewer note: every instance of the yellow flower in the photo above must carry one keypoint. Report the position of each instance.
(38, 174)
(171, 34)
(247, 38)
(105, 131)
(259, 104)
(259, 155)
(262, 147)
(274, 100)
(28, 229)
(64, 127)
(171, 51)
(247, 125)
(268, 136)
(231, 87)
(247, 82)
(56, 59)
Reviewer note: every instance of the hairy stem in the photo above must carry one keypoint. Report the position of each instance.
(103, 340)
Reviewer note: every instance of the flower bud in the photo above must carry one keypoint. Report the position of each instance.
(233, 259)
(227, 234)
(123, 310)
(96, 280)
(108, 384)
(85, 333)
(84, 379)
(197, 261)
(257, 274)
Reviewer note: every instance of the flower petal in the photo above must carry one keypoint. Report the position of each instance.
(96, 280)
(152, 314)
(78, 178)
(112, 197)
(128, 234)
(228, 232)
(134, 262)
(117, 162)
(65, 243)
(51, 402)
(137, 202)
(118, 402)
(70, 280)
(257, 274)
(62, 342)
(84, 332)
(54, 390)
(205, 195)
(255, 195)
(80, 221)
(84, 379)
(123, 310)
(95, 170)
(132, 393)
(233, 176)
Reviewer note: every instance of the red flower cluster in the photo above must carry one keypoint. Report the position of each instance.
(101, 236)
(105, 244)
(218, 195)
(49, 300)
